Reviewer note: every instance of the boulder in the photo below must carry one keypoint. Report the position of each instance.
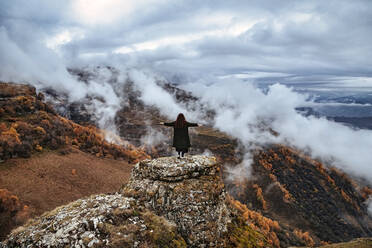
(168, 202)
(188, 192)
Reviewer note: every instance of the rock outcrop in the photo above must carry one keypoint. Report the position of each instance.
(168, 202)
(185, 191)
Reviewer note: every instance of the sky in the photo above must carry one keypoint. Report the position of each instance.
(297, 42)
(222, 51)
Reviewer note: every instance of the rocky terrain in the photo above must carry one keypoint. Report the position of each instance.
(53, 178)
(186, 191)
(329, 205)
(163, 205)
(297, 191)
(47, 160)
(288, 199)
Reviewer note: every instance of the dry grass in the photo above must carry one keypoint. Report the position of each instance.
(357, 243)
(49, 179)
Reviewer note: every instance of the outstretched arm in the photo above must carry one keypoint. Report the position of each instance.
(169, 124)
(190, 124)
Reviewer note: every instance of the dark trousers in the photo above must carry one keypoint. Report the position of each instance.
(181, 151)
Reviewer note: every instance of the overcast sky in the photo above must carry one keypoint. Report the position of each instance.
(210, 46)
(268, 41)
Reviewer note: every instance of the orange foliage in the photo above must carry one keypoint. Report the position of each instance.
(34, 124)
(11, 135)
(273, 177)
(39, 148)
(286, 195)
(258, 222)
(305, 236)
(259, 196)
(290, 159)
(366, 192)
(265, 164)
(12, 208)
(8, 201)
(345, 196)
(330, 180)
(40, 130)
(323, 171)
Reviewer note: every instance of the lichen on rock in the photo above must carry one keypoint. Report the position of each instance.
(172, 169)
(168, 202)
(187, 191)
(97, 221)
(74, 224)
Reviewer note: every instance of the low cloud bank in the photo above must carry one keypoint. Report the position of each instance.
(242, 110)
(246, 113)
(264, 44)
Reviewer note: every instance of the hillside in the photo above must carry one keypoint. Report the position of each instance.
(328, 204)
(167, 203)
(47, 160)
(29, 125)
(288, 197)
(322, 203)
(283, 180)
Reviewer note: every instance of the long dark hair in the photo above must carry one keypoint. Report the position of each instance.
(181, 121)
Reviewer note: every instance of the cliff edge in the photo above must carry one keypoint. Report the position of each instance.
(168, 202)
(187, 192)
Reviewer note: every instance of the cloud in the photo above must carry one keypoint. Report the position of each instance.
(246, 113)
(219, 50)
(329, 39)
(369, 206)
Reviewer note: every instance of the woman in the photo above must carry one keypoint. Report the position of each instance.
(181, 139)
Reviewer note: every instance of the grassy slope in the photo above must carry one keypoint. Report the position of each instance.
(47, 160)
(50, 179)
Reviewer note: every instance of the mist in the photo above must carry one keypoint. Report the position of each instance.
(246, 113)
(218, 51)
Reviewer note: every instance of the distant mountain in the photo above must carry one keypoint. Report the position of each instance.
(353, 109)
(353, 122)
(329, 206)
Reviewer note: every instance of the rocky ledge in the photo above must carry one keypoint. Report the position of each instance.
(168, 202)
(172, 169)
(187, 191)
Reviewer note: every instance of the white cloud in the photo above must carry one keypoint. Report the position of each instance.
(98, 12)
(369, 204)
(63, 37)
(197, 41)
(244, 112)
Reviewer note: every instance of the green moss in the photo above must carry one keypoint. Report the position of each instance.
(242, 235)
(136, 213)
(163, 233)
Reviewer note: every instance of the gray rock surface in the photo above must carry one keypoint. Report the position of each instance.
(187, 191)
(168, 202)
(75, 224)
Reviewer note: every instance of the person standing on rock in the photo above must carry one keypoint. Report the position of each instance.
(181, 139)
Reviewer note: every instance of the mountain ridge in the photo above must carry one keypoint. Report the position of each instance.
(274, 171)
(133, 217)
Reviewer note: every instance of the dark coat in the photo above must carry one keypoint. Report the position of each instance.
(181, 139)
